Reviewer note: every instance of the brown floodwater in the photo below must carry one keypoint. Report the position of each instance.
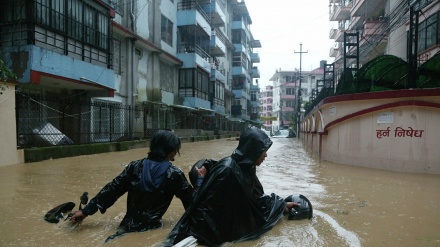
(353, 206)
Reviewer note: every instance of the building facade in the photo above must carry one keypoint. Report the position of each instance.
(288, 100)
(174, 64)
(266, 101)
(378, 121)
(369, 29)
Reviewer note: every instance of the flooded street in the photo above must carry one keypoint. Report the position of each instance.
(353, 206)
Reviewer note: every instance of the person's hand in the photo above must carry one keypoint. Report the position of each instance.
(290, 205)
(201, 172)
(77, 216)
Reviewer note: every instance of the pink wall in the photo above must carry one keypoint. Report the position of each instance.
(392, 130)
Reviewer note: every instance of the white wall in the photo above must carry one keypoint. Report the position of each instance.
(8, 143)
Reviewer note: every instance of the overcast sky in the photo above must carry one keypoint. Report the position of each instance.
(281, 25)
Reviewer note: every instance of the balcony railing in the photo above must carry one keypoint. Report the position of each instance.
(340, 12)
(187, 48)
(193, 5)
(333, 33)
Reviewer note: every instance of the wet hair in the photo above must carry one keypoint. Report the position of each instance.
(162, 143)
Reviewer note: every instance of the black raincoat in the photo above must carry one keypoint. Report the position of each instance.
(151, 187)
(231, 205)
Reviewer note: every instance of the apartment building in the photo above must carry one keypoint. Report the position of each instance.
(370, 28)
(255, 104)
(266, 100)
(287, 106)
(57, 49)
(243, 59)
(175, 64)
(284, 100)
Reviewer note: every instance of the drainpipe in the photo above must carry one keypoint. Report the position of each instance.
(133, 55)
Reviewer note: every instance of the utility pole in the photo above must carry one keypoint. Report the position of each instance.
(413, 44)
(298, 105)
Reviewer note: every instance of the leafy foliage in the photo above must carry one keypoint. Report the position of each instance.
(5, 75)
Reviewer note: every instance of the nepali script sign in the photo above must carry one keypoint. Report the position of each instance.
(399, 132)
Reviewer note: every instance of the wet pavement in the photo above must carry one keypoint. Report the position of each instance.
(353, 206)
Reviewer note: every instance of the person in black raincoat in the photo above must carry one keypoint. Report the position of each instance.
(231, 205)
(151, 184)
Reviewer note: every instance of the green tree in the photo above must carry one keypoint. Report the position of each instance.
(5, 75)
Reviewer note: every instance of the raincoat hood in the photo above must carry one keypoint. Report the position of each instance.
(153, 173)
(253, 142)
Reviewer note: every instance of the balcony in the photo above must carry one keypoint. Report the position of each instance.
(217, 74)
(240, 23)
(218, 43)
(340, 35)
(334, 51)
(255, 57)
(373, 42)
(255, 44)
(333, 33)
(287, 96)
(192, 14)
(367, 8)
(337, 52)
(356, 22)
(287, 109)
(255, 72)
(75, 74)
(239, 70)
(217, 14)
(192, 56)
(340, 12)
(241, 93)
(373, 27)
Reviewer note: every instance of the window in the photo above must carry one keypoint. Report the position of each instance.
(289, 78)
(219, 90)
(197, 81)
(167, 77)
(236, 59)
(85, 22)
(186, 78)
(237, 83)
(118, 6)
(167, 30)
(253, 96)
(290, 91)
(429, 32)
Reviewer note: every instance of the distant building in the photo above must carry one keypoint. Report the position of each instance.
(266, 101)
(285, 94)
(255, 105)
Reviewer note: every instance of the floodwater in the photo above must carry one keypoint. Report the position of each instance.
(353, 206)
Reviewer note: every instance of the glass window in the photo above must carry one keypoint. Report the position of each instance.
(167, 30)
(429, 32)
(82, 21)
(186, 78)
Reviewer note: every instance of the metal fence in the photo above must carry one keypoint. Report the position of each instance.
(44, 121)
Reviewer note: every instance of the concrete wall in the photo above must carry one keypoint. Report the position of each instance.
(392, 130)
(8, 143)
